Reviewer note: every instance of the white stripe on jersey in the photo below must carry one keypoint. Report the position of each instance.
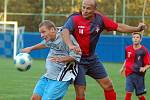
(69, 73)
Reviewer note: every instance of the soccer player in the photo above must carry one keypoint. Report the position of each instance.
(86, 27)
(61, 64)
(136, 63)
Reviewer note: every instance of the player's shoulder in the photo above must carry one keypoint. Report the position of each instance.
(143, 47)
(98, 13)
(74, 14)
(129, 47)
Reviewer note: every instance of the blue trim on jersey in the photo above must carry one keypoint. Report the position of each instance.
(69, 24)
(97, 26)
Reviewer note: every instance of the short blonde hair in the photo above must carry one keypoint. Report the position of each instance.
(49, 24)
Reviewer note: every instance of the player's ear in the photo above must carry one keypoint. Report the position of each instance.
(52, 29)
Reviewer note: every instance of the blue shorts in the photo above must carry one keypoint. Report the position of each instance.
(90, 66)
(51, 89)
(135, 81)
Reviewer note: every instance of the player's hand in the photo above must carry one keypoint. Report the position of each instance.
(142, 69)
(76, 49)
(141, 27)
(26, 50)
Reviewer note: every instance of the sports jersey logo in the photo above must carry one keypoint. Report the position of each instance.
(97, 29)
(139, 57)
(81, 29)
(129, 54)
(69, 72)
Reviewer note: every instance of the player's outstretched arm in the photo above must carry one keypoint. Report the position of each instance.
(35, 47)
(126, 28)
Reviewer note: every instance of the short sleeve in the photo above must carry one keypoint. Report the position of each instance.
(147, 58)
(109, 24)
(69, 24)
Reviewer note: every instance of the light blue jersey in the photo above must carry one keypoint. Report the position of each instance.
(56, 70)
(54, 84)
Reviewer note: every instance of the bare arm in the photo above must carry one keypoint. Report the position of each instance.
(38, 46)
(122, 68)
(67, 40)
(35, 47)
(127, 28)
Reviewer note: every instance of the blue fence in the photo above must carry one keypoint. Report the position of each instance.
(109, 48)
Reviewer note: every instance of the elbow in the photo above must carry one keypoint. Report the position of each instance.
(121, 28)
(65, 31)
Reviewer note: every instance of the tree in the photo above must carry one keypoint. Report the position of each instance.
(29, 12)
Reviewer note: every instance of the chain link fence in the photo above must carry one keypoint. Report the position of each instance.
(30, 13)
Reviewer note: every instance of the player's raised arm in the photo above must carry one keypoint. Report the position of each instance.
(34, 47)
(127, 28)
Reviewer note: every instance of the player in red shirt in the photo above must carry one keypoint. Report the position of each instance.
(86, 27)
(136, 63)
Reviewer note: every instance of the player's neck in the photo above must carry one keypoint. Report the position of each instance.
(137, 46)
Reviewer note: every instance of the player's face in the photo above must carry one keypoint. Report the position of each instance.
(88, 9)
(47, 34)
(136, 39)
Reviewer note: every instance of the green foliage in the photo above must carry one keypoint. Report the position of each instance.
(29, 12)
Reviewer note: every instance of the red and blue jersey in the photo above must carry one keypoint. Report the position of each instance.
(136, 59)
(87, 32)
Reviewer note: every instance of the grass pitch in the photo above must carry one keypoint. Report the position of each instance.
(15, 85)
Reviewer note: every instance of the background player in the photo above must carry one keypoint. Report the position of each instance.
(136, 63)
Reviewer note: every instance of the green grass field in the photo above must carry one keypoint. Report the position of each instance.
(15, 85)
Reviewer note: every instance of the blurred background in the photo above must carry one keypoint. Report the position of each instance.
(27, 14)
(19, 20)
(30, 13)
